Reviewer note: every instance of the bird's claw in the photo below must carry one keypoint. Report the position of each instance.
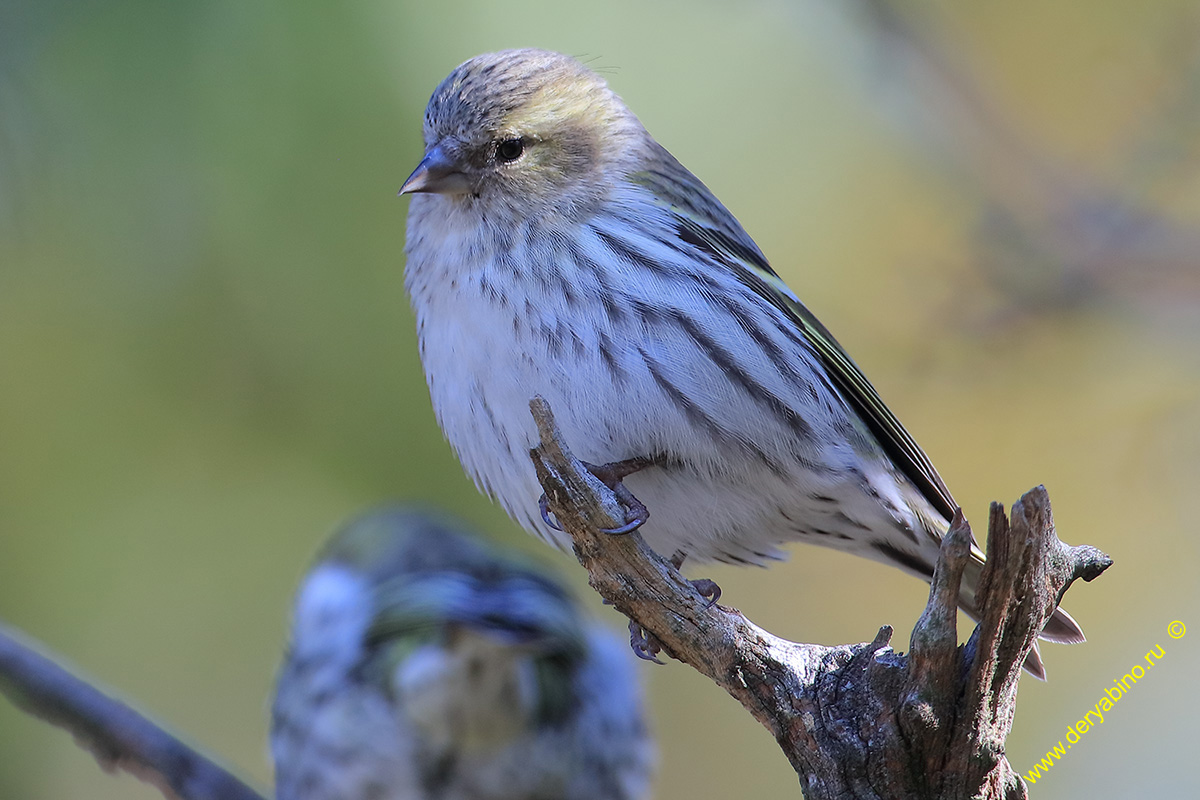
(547, 517)
(611, 475)
(708, 589)
(646, 645)
(632, 506)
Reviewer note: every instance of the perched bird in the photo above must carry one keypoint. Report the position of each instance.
(425, 664)
(554, 248)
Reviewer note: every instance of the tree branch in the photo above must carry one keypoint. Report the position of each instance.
(118, 736)
(854, 720)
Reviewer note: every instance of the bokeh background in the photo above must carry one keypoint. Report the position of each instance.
(207, 360)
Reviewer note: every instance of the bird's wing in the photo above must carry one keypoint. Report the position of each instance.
(707, 225)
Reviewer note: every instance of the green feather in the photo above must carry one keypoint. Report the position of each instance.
(703, 222)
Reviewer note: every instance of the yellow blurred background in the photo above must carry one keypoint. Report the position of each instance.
(207, 360)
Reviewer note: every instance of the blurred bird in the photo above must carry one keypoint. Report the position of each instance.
(424, 664)
(555, 248)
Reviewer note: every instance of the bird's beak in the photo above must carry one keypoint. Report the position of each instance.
(437, 173)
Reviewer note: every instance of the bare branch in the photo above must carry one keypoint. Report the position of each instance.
(854, 720)
(118, 736)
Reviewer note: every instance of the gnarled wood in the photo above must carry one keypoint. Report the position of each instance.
(859, 720)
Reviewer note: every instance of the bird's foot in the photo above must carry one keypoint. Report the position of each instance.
(645, 644)
(708, 588)
(611, 475)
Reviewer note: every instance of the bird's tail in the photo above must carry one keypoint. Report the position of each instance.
(1061, 628)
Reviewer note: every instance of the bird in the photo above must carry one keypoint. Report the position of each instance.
(555, 248)
(427, 664)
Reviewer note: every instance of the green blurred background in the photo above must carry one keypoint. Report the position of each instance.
(207, 360)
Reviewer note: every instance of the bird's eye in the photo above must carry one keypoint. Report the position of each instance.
(510, 150)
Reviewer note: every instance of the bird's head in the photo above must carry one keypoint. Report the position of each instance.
(526, 127)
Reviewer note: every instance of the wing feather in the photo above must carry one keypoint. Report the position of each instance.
(704, 223)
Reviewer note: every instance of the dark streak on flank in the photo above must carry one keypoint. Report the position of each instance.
(698, 418)
(863, 483)
(577, 345)
(683, 402)
(853, 388)
(774, 352)
(728, 365)
(569, 281)
(905, 559)
(552, 338)
(843, 537)
(840, 516)
(608, 295)
(726, 252)
(610, 360)
(630, 255)
(491, 418)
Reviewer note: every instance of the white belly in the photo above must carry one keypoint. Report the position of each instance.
(738, 478)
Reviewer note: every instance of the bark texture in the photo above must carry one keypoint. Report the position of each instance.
(855, 721)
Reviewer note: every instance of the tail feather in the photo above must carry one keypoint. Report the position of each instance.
(1061, 628)
(1033, 664)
